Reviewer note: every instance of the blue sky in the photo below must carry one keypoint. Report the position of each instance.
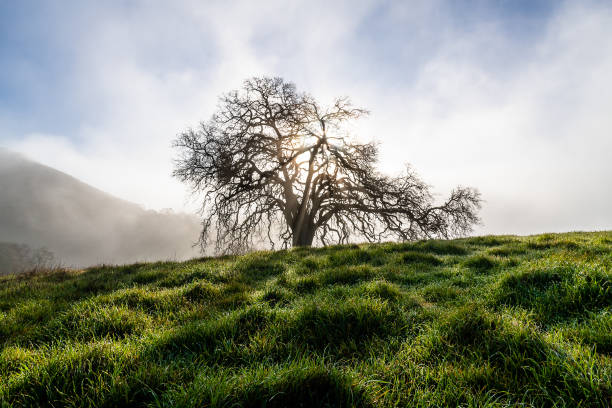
(43, 42)
(512, 97)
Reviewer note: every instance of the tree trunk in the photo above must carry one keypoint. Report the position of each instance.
(304, 237)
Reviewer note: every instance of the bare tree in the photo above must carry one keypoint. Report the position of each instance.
(273, 162)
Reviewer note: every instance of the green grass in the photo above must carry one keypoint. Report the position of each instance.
(485, 321)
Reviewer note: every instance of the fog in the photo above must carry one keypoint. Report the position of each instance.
(81, 225)
(512, 98)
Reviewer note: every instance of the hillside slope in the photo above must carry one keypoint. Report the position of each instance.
(485, 321)
(81, 225)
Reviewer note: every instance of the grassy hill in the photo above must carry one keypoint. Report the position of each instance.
(485, 321)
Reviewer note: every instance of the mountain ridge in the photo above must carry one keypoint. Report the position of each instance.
(81, 224)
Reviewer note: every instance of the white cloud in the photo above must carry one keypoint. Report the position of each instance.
(526, 122)
(537, 142)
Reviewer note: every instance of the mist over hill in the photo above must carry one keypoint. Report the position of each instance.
(81, 225)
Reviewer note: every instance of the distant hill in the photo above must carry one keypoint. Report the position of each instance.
(81, 225)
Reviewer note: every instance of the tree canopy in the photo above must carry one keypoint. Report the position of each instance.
(273, 163)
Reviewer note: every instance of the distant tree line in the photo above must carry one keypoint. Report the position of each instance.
(18, 258)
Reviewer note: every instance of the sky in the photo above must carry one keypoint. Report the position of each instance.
(511, 97)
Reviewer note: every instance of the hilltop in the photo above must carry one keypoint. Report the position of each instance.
(483, 321)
